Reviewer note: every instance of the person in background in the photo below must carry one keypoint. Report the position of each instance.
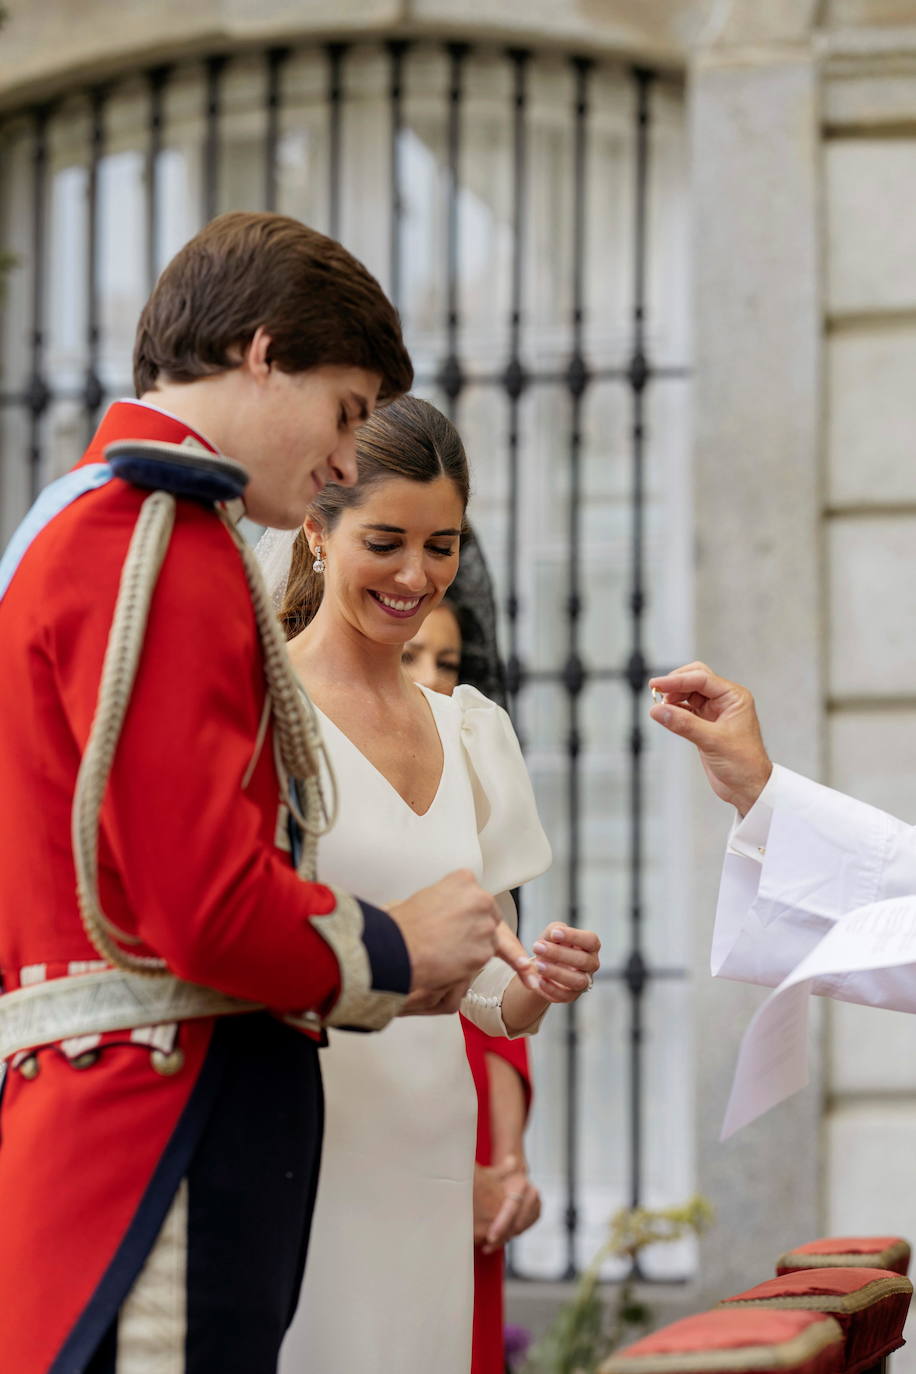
(457, 643)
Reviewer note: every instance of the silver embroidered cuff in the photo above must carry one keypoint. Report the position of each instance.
(359, 1004)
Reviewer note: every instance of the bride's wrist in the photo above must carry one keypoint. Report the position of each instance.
(520, 1006)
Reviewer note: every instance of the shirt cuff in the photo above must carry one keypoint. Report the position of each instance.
(750, 833)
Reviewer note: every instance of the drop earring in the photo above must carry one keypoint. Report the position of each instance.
(319, 563)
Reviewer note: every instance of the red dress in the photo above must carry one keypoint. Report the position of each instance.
(188, 862)
(487, 1351)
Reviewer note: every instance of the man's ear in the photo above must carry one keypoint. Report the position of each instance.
(256, 358)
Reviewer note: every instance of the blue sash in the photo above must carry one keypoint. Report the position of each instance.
(54, 499)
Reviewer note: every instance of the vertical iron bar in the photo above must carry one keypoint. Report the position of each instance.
(37, 395)
(92, 387)
(638, 375)
(573, 672)
(451, 377)
(514, 378)
(215, 67)
(336, 53)
(157, 80)
(276, 58)
(396, 50)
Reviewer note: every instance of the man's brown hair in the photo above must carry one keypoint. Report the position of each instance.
(319, 305)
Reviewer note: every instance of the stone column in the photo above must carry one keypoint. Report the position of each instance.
(755, 156)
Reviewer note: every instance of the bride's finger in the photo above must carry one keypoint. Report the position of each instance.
(566, 956)
(567, 979)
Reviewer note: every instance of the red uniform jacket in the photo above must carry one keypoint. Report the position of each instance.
(188, 862)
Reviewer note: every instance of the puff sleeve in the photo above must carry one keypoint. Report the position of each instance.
(513, 846)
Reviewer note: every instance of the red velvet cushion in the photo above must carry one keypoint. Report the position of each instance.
(730, 1342)
(870, 1305)
(878, 1252)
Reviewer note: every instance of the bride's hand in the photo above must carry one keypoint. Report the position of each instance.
(567, 961)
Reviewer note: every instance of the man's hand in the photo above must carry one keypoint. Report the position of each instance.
(719, 718)
(450, 931)
(512, 952)
(433, 1001)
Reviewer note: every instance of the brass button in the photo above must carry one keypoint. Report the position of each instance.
(167, 1064)
(29, 1068)
(85, 1060)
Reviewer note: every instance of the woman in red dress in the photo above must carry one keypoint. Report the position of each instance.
(455, 644)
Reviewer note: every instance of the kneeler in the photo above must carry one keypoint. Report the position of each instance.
(843, 1252)
(732, 1342)
(869, 1304)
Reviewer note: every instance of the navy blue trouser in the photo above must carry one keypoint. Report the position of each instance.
(250, 1138)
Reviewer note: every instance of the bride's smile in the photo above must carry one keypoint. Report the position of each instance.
(395, 606)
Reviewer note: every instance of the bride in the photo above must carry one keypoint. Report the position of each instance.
(427, 784)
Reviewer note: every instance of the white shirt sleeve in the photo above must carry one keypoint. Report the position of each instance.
(801, 859)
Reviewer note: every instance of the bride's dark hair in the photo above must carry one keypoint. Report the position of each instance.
(408, 438)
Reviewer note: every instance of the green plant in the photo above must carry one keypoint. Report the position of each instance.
(592, 1325)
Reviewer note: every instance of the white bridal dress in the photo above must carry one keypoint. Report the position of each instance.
(389, 1280)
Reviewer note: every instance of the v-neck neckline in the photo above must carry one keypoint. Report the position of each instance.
(420, 815)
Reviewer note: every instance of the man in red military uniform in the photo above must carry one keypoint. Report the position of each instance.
(157, 1165)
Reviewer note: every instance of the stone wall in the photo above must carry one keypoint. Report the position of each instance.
(869, 171)
(804, 153)
(47, 43)
(756, 271)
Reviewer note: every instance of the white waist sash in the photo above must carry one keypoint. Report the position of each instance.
(109, 1000)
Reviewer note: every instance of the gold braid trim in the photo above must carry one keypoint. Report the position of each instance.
(359, 1004)
(887, 1286)
(849, 1259)
(147, 549)
(298, 749)
(297, 739)
(787, 1355)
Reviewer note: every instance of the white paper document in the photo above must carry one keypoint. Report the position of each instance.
(869, 957)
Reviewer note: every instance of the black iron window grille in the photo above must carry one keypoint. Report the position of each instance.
(526, 212)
